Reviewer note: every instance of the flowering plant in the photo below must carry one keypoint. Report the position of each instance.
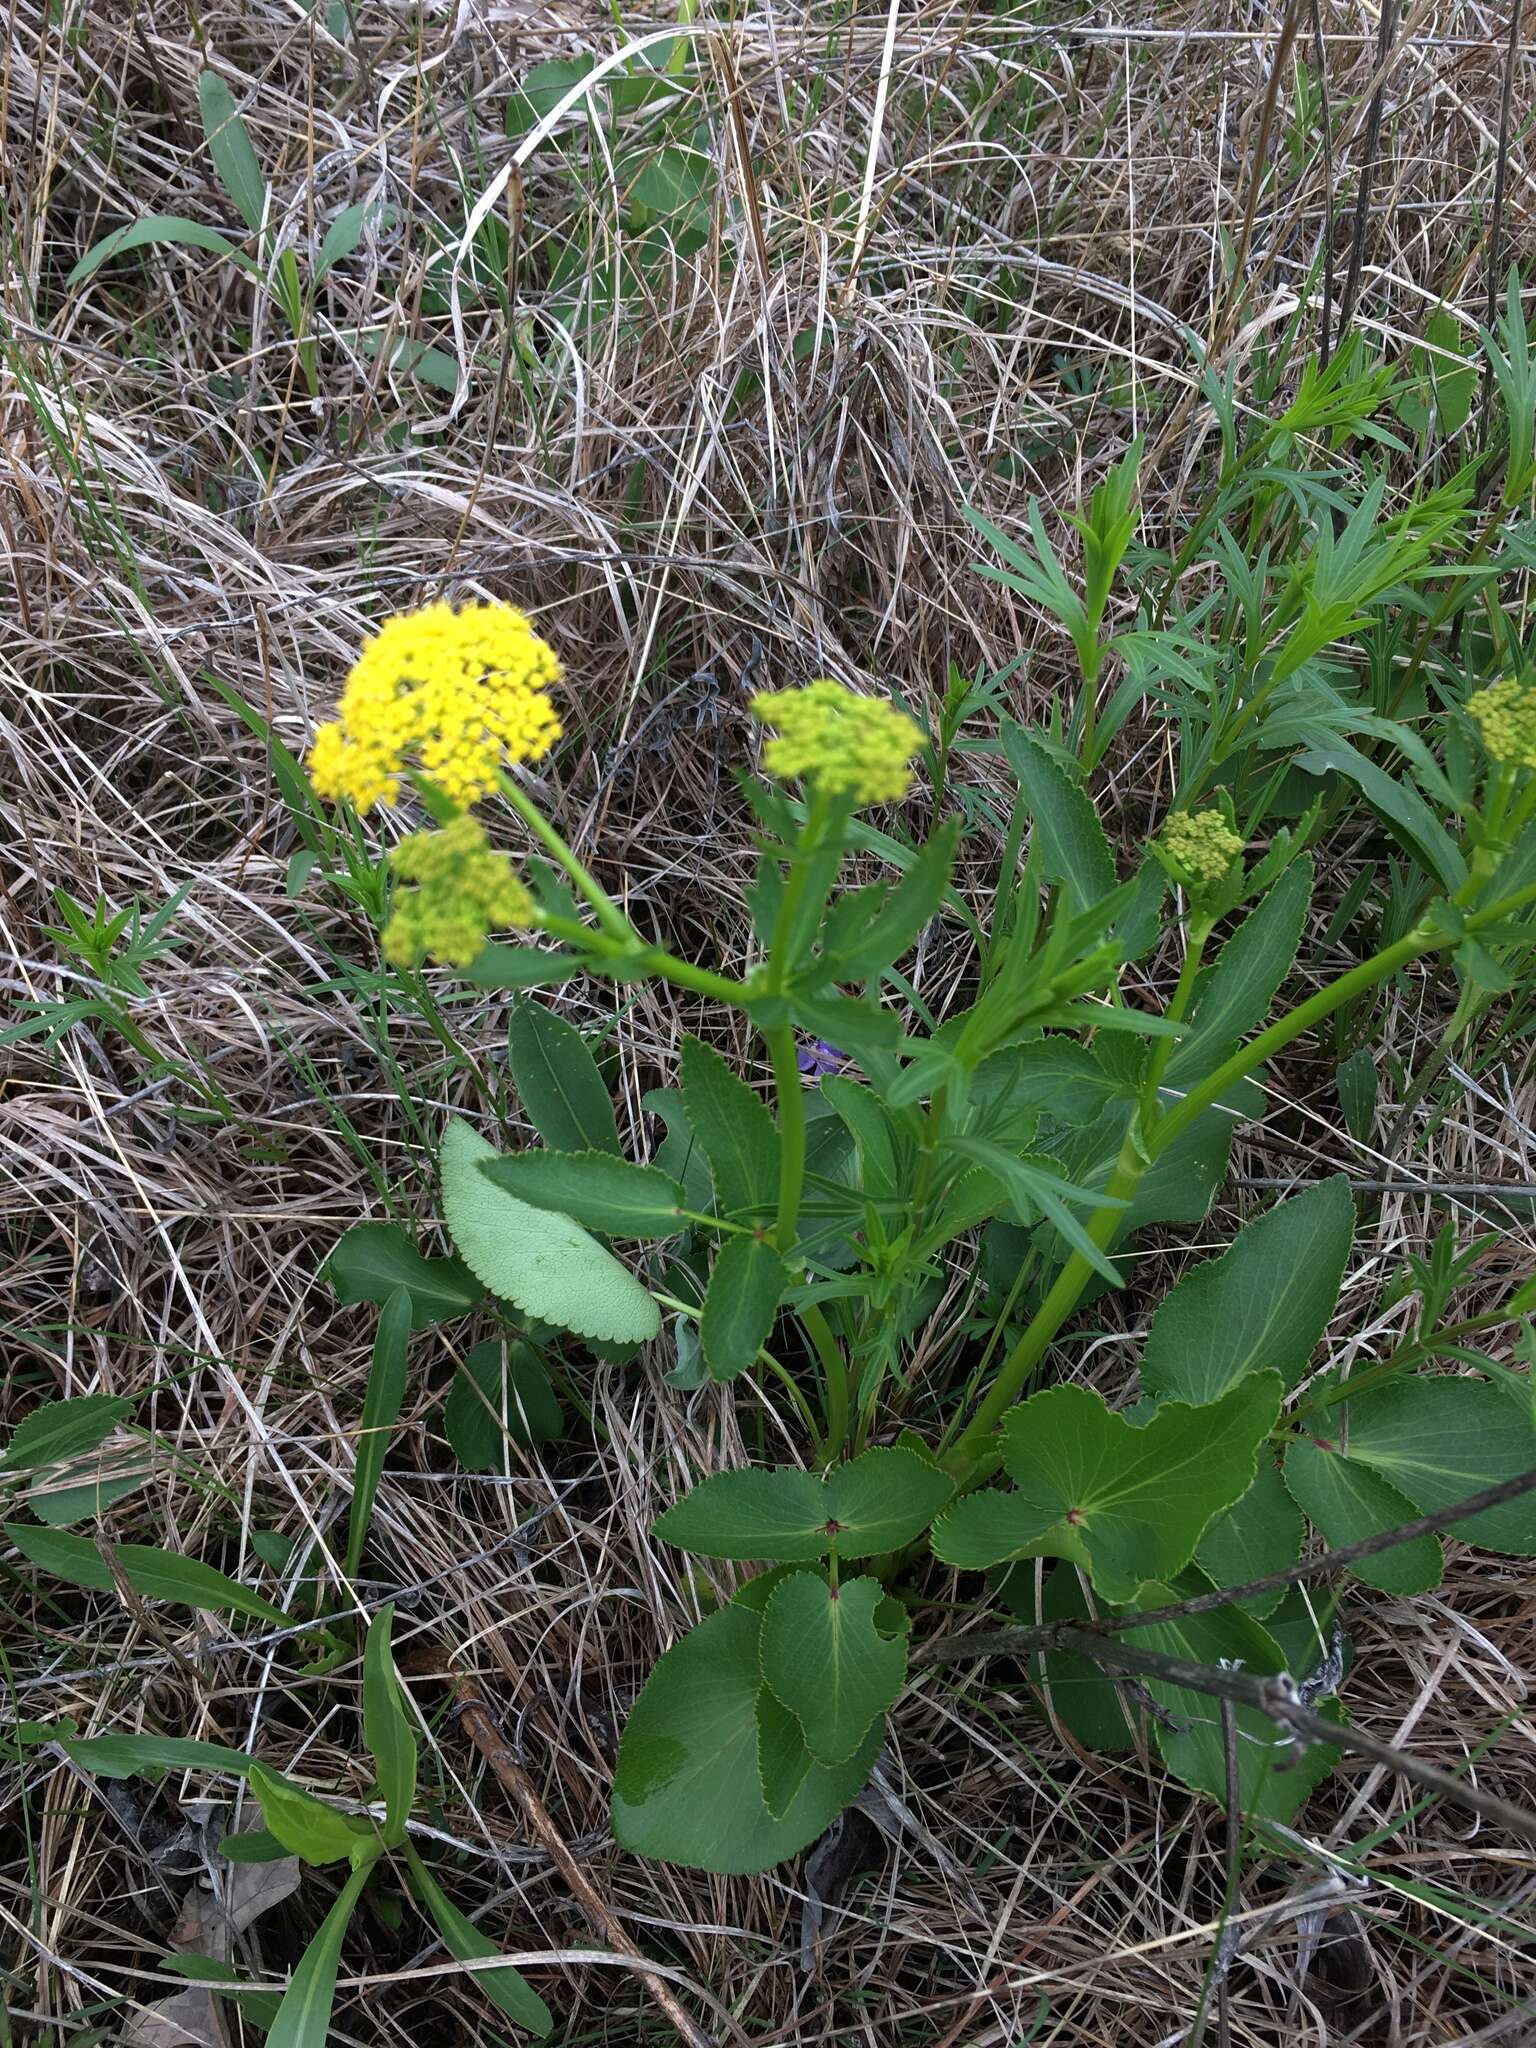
(806, 1243)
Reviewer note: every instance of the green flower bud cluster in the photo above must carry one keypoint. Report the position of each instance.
(1201, 847)
(463, 891)
(1505, 716)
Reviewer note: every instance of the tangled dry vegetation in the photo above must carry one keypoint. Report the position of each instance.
(750, 461)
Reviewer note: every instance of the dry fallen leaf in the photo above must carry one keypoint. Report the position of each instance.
(206, 1926)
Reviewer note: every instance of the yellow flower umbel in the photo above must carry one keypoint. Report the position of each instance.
(463, 892)
(849, 745)
(1201, 846)
(457, 693)
(1505, 715)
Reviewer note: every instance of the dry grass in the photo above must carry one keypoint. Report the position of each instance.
(672, 486)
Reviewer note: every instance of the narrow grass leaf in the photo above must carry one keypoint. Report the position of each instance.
(382, 1403)
(388, 1728)
(154, 1573)
(507, 1989)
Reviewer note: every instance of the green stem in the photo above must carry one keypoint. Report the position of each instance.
(629, 958)
(1135, 1158)
(790, 1089)
(1053, 1311)
(1414, 1352)
(835, 1373)
(609, 916)
(1162, 1050)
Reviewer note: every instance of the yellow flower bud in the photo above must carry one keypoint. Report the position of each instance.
(456, 692)
(850, 745)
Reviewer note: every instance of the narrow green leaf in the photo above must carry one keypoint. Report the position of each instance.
(304, 2017)
(305, 1825)
(875, 1136)
(687, 1788)
(507, 1989)
(1356, 1082)
(229, 144)
(1068, 837)
(901, 917)
(373, 1259)
(1034, 1188)
(595, 1189)
(59, 1430)
(732, 1124)
(382, 1403)
(542, 1262)
(1348, 1501)
(134, 1756)
(1262, 1306)
(252, 1845)
(518, 1402)
(1419, 830)
(877, 1502)
(388, 1728)
(344, 234)
(1131, 1503)
(746, 1285)
(1236, 994)
(156, 1574)
(172, 228)
(824, 1659)
(557, 1078)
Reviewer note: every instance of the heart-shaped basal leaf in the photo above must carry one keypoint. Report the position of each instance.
(1349, 1501)
(877, 1502)
(542, 1262)
(1128, 1503)
(825, 1659)
(1439, 1440)
(1260, 1307)
(1274, 1779)
(1257, 1535)
(687, 1788)
(593, 1188)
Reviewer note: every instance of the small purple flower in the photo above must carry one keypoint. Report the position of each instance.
(821, 1059)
